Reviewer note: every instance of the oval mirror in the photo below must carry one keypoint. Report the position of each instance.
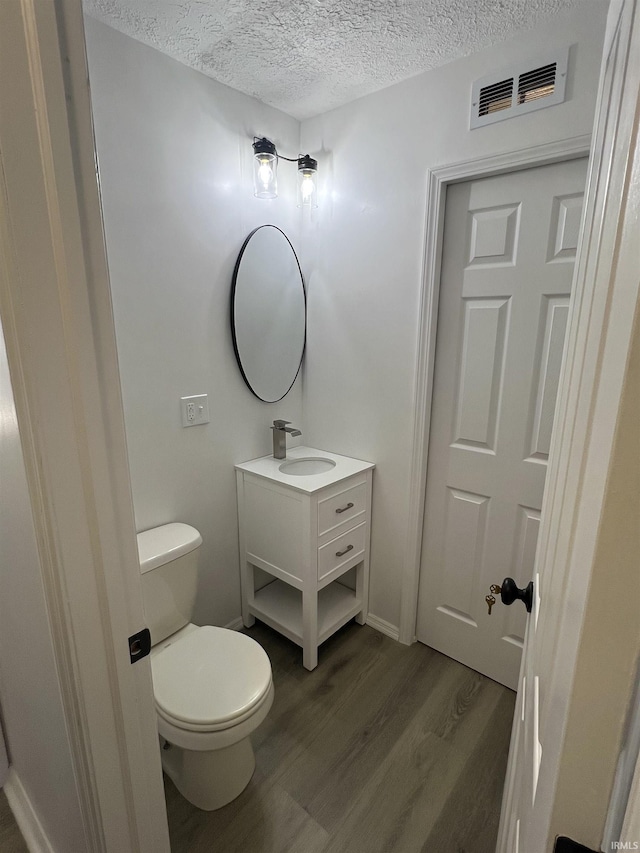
(268, 313)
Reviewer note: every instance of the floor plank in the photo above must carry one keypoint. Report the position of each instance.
(11, 840)
(383, 748)
(468, 822)
(402, 800)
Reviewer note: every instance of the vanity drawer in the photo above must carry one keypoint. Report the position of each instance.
(338, 508)
(342, 550)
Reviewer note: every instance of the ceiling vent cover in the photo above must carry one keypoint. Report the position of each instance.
(531, 85)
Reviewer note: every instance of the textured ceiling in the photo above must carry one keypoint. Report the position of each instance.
(307, 56)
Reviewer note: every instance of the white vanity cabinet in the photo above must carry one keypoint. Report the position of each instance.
(306, 532)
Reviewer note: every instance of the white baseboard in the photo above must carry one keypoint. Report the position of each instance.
(235, 625)
(34, 835)
(383, 626)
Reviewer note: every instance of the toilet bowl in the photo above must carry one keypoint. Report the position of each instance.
(212, 686)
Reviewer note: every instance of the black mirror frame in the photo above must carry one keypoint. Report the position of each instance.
(233, 313)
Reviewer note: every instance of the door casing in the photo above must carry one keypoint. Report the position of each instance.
(437, 182)
(55, 304)
(46, 42)
(605, 296)
(599, 343)
(534, 275)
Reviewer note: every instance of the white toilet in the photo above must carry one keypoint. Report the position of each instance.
(212, 686)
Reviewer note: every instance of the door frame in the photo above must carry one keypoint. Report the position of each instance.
(55, 303)
(438, 180)
(599, 339)
(88, 579)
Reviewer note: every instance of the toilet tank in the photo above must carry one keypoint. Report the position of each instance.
(169, 568)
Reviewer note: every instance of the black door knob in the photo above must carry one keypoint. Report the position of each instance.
(510, 592)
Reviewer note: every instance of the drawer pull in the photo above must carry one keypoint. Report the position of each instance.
(346, 550)
(344, 508)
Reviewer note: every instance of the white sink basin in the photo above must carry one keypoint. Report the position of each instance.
(306, 469)
(306, 465)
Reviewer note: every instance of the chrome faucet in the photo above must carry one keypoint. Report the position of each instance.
(280, 430)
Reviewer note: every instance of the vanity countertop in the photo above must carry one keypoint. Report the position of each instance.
(268, 467)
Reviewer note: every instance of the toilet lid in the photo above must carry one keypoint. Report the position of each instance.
(211, 675)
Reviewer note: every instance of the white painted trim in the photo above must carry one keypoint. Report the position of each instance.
(25, 815)
(437, 181)
(631, 826)
(623, 783)
(235, 624)
(57, 320)
(599, 339)
(383, 626)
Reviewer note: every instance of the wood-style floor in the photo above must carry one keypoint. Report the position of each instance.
(383, 748)
(11, 841)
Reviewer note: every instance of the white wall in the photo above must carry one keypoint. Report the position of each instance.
(175, 163)
(32, 711)
(363, 258)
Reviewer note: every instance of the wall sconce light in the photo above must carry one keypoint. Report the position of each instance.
(307, 184)
(265, 168)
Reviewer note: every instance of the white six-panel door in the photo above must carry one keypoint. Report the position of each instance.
(508, 253)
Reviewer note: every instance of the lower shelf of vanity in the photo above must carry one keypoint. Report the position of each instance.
(279, 605)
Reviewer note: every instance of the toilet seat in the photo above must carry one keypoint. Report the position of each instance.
(210, 679)
(203, 741)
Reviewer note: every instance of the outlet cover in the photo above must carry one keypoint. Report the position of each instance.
(195, 410)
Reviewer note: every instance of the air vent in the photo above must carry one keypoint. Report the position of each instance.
(498, 96)
(522, 89)
(539, 83)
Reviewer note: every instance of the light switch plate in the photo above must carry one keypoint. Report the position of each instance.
(195, 410)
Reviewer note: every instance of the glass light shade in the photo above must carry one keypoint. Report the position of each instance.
(307, 182)
(265, 169)
(265, 176)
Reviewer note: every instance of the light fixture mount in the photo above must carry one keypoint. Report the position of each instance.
(307, 162)
(263, 146)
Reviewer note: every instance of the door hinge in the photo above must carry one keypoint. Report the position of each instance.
(139, 645)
